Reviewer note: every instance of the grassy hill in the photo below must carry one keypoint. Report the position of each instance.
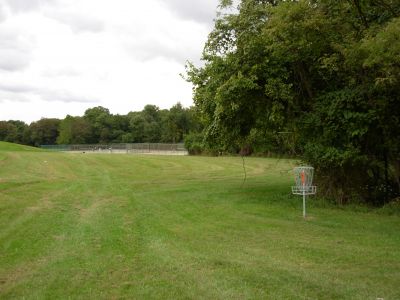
(5, 146)
(105, 226)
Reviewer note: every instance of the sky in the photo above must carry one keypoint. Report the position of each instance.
(60, 57)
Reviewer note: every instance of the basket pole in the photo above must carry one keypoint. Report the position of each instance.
(303, 181)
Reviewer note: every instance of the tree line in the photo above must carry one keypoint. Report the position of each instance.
(99, 126)
(315, 78)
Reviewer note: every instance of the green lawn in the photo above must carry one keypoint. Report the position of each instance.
(103, 226)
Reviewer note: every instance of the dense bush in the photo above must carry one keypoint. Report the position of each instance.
(312, 78)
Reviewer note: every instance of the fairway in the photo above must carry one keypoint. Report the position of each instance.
(105, 226)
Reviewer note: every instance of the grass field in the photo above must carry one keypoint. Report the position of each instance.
(103, 226)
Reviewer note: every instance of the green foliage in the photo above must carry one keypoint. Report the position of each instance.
(14, 131)
(325, 73)
(73, 130)
(177, 123)
(98, 125)
(99, 119)
(44, 131)
(8, 131)
(194, 143)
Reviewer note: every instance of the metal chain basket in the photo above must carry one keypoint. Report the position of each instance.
(303, 177)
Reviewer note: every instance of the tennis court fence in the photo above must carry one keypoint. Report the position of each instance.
(133, 148)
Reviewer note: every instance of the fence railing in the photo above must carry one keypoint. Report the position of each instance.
(151, 148)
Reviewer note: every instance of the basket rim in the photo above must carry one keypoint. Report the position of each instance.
(304, 190)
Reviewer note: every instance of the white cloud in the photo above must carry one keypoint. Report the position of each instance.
(20, 6)
(62, 56)
(178, 45)
(21, 92)
(15, 48)
(77, 22)
(3, 13)
(61, 72)
(200, 11)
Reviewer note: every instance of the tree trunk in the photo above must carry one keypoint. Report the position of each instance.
(304, 78)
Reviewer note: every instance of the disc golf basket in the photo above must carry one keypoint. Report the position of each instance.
(303, 179)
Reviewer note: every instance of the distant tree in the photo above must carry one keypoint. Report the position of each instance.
(14, 131)
(119, 127)
(44, 131)
(127, 138)
(74, 130)
(7, 131)
(152, 124)
(136, 127)
(147, 125)
(98, 125)
(100, 120)
(177, 124)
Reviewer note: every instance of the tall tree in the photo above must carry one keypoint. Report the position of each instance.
(324, 71)
(44, 131)
(177, 124)
(74, 130)
(14, 131)
(99, 119)
(152, 124)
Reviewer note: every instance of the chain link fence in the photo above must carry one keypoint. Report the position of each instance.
(136, 148)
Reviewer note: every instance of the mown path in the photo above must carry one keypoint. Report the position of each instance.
(125, 226)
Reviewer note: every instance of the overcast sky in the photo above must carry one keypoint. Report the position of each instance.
(61, 57)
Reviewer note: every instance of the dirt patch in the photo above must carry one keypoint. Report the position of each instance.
(18, 274)
(44, 204)
(95, 206)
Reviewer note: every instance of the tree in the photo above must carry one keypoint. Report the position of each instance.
(177, 124)
(7, 131)
(151, 124)
(14, 131)
(74, 130)
(98, 125)
(145, 126)
(323, 71)
(119, 127)
(99, 119)
(44, 131)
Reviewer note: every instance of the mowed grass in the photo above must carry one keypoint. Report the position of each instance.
(102, 226)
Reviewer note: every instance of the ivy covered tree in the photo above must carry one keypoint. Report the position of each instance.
(324, 74)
